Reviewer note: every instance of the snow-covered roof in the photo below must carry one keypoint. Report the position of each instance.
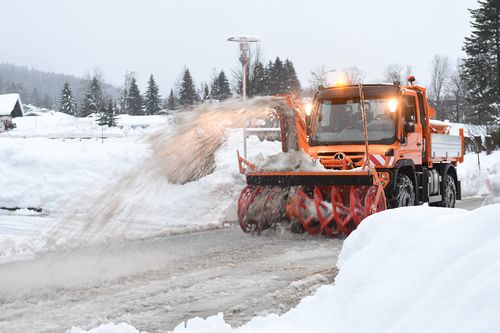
(8, 104)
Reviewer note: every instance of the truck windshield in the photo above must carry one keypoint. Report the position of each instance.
(341, 122)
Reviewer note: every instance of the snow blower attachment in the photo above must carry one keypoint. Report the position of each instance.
(364, 148)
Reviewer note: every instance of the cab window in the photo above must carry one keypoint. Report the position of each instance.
(409, 109)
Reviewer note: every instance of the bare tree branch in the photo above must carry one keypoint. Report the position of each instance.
(353, 75)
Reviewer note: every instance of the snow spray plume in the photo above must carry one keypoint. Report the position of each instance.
(188, 154)
(179, 157)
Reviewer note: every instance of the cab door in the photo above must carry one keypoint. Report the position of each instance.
(411, 147)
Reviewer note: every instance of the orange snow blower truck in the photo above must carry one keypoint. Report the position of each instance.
(377, 148)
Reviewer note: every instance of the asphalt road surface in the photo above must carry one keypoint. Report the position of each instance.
(154, 284)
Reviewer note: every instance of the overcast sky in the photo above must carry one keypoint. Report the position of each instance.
(161, 37)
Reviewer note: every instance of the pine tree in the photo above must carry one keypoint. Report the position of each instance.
(93, 100)
(108, 115)
(224, 88)
(187, 93)
(220, 87)
(134, 99)
(276, 80)
(270, 79)
(171, 101)
(215, 88)
(482, 65)
(152, 97)
(124, 93)
(290, 80)
(259, 84)
(111, 113)
(206, 93)
(66, 101)
(123, 99)
(103, 117)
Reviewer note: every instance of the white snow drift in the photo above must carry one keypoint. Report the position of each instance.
(435, 270)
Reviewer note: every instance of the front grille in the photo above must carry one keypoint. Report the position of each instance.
(327, 158)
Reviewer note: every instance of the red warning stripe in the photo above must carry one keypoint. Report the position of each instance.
(381, 161)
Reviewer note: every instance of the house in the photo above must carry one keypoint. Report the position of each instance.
(10, 107)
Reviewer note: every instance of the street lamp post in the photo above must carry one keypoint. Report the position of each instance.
(244, 56)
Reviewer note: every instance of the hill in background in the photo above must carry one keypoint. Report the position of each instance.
(43, 88)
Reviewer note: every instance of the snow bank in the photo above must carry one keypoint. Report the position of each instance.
(435, 270)
(46, 173)
(483, 181)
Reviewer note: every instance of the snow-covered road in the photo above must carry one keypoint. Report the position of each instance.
(156, 283)
(153, 284)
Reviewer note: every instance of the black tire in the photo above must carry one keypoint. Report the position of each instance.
(449, 192)
(404, 192)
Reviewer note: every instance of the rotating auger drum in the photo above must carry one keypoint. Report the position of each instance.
(333, 211)
(261, 207)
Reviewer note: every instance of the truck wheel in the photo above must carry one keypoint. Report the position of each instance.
(404, 193)
(449, 194)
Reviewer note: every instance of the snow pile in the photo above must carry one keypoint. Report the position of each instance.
(483, 180)
(290, 161)
(435, 270)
